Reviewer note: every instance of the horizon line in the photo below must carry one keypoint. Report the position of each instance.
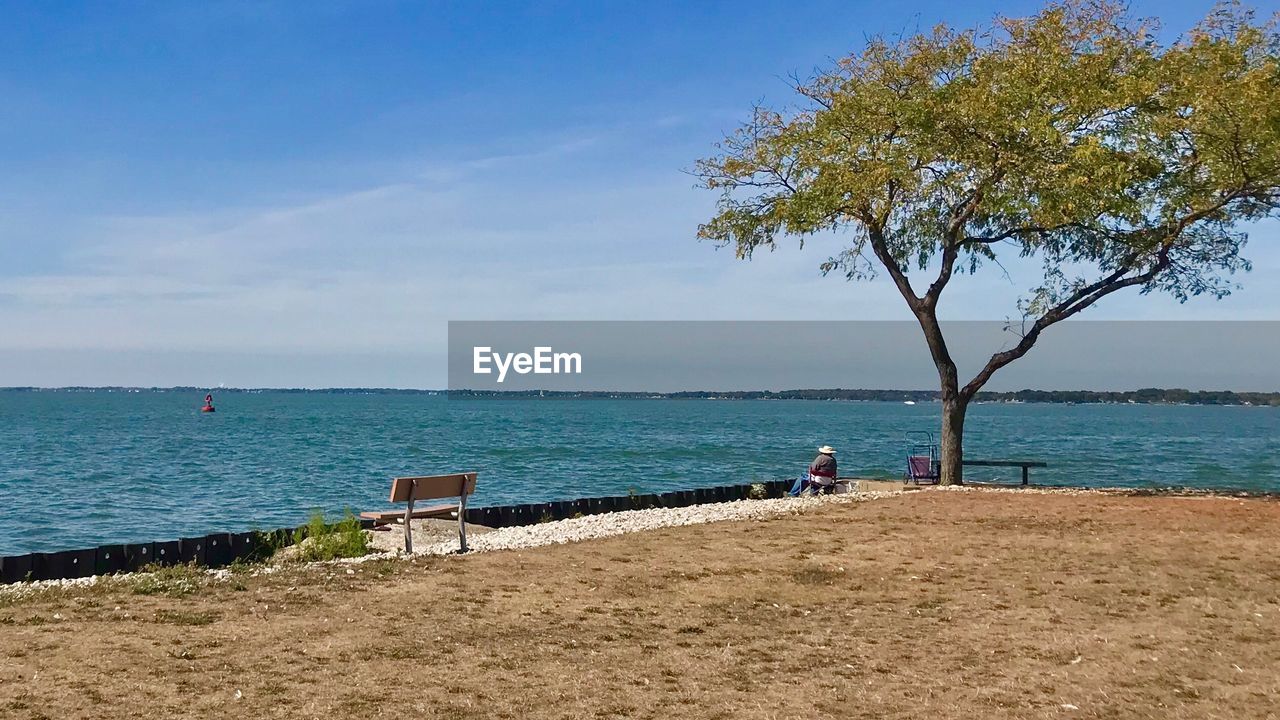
(551, 392)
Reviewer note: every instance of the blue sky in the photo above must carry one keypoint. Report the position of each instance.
(304, 193)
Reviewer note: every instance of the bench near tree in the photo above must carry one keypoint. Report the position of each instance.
(1072, 137)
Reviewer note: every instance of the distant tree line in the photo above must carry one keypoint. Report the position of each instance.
(1145, 396)
(1173, 396)
(1157, 396)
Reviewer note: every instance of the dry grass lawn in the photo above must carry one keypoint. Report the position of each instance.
(932, 604)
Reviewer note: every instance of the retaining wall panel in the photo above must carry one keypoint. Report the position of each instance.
(16, 568)
(192, 550)
(218, 550)
(110, 559)
(137, 556)
(47, 566)
(81, 563)
(167, 552)
(244, 546)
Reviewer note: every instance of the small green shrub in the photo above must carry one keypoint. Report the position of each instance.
(319, 540)
(757, 491)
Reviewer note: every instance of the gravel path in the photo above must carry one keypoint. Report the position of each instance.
(591, 527)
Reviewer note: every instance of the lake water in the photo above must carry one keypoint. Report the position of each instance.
(79, 469)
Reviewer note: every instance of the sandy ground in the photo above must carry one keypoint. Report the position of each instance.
(929, 604)
(426, 532)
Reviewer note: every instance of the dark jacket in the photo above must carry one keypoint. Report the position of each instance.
(823, 466)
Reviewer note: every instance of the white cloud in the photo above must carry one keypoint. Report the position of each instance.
(384, 268)
(381, 269)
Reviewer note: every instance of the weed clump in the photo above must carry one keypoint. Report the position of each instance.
(169, 580)
(319, 540)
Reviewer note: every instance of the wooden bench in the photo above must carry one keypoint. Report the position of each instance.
(447, 511)
(431, 487)
(1026, 465)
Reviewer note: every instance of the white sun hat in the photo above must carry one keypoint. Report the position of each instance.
(827, 450)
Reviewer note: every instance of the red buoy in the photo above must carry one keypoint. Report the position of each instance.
(208, 404)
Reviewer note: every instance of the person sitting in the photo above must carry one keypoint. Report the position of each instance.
(822, 473)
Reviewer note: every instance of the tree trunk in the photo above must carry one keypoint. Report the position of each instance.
(952, 445)
(954, 401)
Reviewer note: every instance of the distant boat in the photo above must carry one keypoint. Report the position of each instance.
(908, 402)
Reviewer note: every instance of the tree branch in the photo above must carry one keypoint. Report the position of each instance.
(949, 255)
(960, 215)
(880, 246)
(1015, 232)
(1079, 300)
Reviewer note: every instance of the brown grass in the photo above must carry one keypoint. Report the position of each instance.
(947, 605)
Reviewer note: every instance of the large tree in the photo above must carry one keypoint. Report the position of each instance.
(1072, 138)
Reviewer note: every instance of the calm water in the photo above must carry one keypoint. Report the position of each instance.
(82, 469)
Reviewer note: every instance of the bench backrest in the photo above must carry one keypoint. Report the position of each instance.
(432, 487)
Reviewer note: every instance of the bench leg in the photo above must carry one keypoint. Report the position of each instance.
(408, 531)
(462, 518)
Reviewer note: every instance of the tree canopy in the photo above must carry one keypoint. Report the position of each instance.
(1071, 135)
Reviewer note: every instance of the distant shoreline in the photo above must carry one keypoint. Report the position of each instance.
(1145, 396)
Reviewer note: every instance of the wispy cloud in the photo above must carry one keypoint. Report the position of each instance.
(378, 270)
(384, 267)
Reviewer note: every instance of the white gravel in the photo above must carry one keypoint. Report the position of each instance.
(23, 589)
(592, 527)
